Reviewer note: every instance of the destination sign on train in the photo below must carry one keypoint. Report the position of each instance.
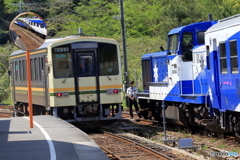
(62, 49)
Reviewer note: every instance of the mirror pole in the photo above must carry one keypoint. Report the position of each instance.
(30, 108)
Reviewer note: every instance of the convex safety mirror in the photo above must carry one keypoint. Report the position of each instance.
(28, 31)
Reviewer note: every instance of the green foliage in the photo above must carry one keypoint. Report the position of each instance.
(205, 147)
(4, 67)
(212, 140)
(186, 135)
(235, 150)
(222, 146)
(147, 22)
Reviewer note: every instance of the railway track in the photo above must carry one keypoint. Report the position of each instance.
(207, 141)
(30, 39)
(118, 147)
(6, 111)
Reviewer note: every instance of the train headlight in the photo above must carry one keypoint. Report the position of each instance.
(112, 91)
(62, 94)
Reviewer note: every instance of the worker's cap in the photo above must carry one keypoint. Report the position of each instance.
(131, 82)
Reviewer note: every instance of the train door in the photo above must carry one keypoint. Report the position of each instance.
(223, 75)
(213, 77)
(12, 69)
(45, 71)
(86, 75)
(186, 75)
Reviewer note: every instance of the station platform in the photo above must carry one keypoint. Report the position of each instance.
(50, 139)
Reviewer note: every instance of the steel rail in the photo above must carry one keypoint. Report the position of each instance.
(149, 150)
(106, 150)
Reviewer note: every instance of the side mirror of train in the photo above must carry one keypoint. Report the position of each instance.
(48, 69)
(28, 31)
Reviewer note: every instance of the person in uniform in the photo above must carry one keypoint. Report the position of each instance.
(132, 99)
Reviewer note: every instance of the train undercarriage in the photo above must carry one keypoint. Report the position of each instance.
(187, 114)
(88, 116)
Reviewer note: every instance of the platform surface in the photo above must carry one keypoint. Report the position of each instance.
(50, 139)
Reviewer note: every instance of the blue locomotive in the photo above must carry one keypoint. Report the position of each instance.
(196, 80)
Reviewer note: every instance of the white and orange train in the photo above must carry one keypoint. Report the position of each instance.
(75, 78)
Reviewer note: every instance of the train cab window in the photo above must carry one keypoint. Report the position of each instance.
(223, 58)
(233, 57)
(16, 70)
(108, 59)
(187, 45)
(62, 62)
(201, 37)
(172, 44)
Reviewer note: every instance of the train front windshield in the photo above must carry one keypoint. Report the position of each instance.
(62, 62)
(107, 57)
(173, 44)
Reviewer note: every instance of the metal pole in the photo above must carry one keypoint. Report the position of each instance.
(29, 89)
(21, 10)
(164, 122)
(135, 77)
(124, 44)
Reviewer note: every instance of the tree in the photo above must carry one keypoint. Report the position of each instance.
(5, 50)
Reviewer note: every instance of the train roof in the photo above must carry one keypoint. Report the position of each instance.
(225, 23)
(36, 20)
(48, 42)
(44, 45)
(203, 25)
(155, 54)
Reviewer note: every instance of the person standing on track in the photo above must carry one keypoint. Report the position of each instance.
(132, 99)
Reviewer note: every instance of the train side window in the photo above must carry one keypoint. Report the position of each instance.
(187, 45)
(108, 59)
(208, 58)
(36, 66)
(32, 69)
(233, 57)
(40, 68)
(24, 70)
(16, 70)
(20, 71)
(201, 37)
(223, 58)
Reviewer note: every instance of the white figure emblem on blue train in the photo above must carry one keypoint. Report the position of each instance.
(155, 70)
(198, 77)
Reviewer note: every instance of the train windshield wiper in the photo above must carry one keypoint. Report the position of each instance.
(66, 77)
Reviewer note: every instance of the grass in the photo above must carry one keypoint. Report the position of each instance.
(160, 135)
(198, 154)
(198, 139)
(186, 135)
(8, 100)
(235, 150)
(212, 140)
(205, 147)
(222, 146)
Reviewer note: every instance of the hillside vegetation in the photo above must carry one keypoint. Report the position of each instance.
(147, 23)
